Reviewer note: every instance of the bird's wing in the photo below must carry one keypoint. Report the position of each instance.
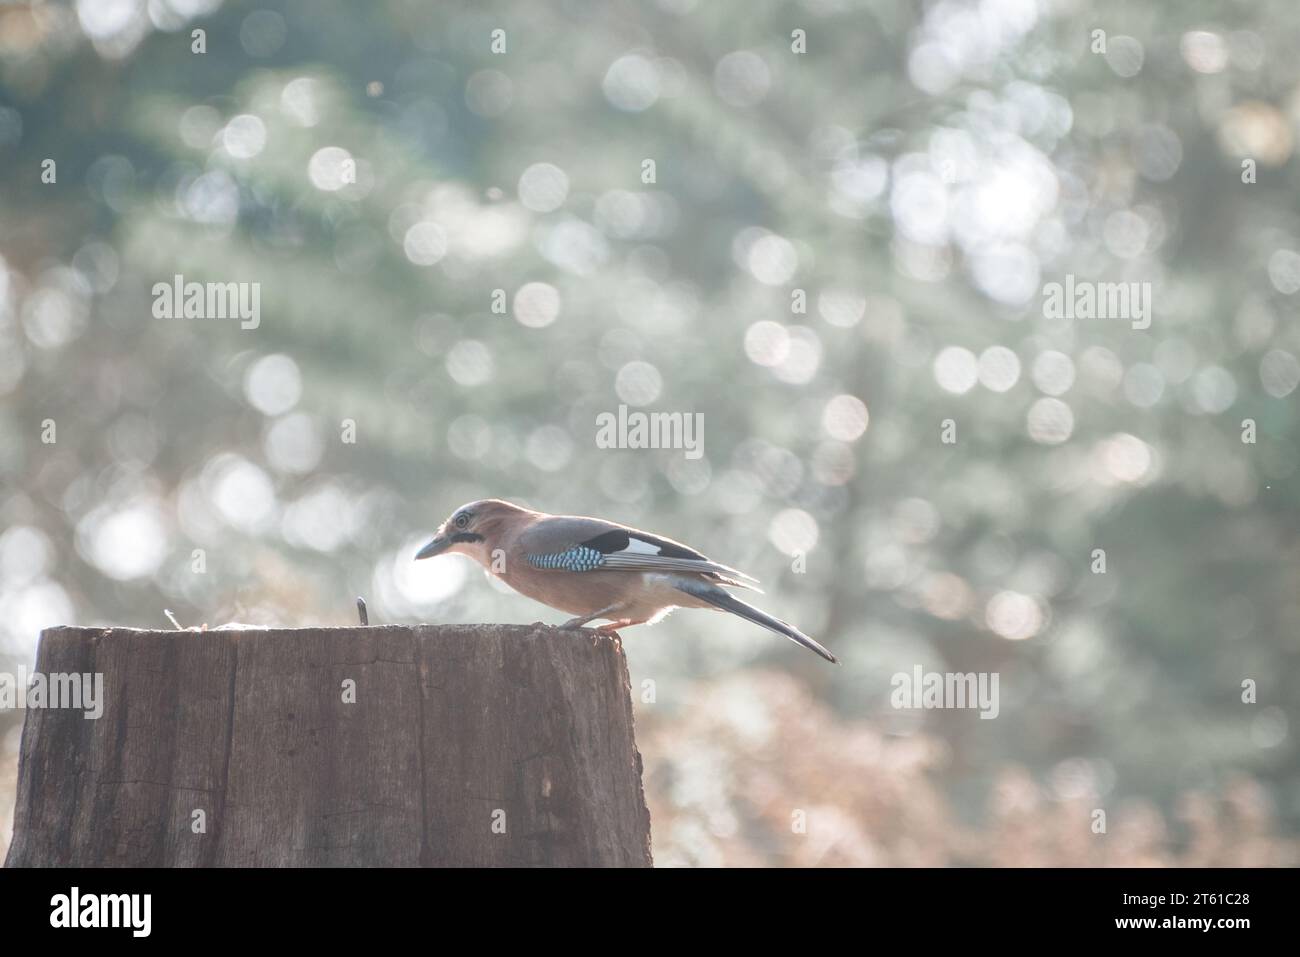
(570, 543)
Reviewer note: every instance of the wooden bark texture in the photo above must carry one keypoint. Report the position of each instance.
(465, 745)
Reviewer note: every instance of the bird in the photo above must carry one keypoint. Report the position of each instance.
(595, 569)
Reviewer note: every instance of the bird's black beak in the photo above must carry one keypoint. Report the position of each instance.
(435, 547)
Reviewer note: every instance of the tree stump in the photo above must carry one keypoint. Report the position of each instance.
(433, 745)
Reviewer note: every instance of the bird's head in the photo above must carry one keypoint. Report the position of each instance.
(475, 530)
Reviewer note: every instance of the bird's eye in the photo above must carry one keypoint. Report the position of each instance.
(462, 521)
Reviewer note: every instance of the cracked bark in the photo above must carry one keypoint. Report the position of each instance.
(467, 745)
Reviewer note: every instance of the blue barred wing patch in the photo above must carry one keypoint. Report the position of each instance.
(579, 558)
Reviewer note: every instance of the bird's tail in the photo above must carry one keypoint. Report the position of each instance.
(725, 601)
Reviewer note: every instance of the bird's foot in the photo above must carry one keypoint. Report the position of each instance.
(573, 623)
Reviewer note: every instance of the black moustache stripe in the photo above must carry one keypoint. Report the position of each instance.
(466, 537)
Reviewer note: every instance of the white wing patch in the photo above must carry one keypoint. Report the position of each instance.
(639, 546)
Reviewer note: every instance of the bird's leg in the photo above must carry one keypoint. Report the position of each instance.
(582, 620)
(612, 627)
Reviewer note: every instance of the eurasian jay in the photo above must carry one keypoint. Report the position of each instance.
(593, 569)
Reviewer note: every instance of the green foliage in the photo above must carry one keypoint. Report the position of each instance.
(1035, 159)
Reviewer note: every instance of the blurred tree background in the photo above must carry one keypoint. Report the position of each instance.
(854, 208)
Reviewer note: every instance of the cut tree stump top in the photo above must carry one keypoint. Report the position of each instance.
(435, 745)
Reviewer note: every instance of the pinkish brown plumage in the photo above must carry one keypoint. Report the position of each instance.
(594, 569)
